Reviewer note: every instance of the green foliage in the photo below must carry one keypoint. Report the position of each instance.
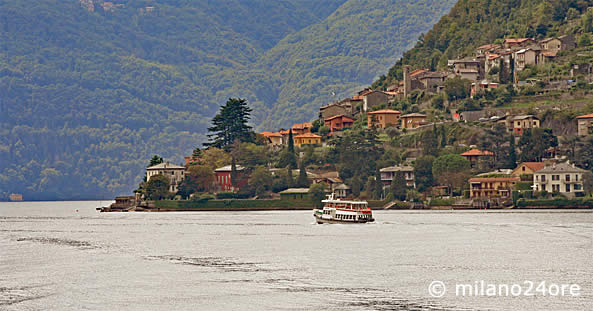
(558, 202)
(317, 193)
(155, 160)
(261, 180)
(534, 142)
(472, 23)
(87, 96)
(441, 202)
(198, 179)
(457, 88)
(302, 181)
(398, 186)
(158, 187)
(355, 185)
(423, 172)
(451, 170)
(230, 124)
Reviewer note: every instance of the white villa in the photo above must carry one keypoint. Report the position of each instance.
(564, 178)
(176, 173)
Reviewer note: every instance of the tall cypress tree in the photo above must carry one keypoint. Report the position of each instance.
(512, 158)
(234, 174)
(288, 157)
(443, 137)
(303, 182)
(230, 124)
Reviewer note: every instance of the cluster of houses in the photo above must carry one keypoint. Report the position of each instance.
(109, 6)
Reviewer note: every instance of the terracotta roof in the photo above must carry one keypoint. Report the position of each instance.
(382, 111)
(549, 53)
(270, 134)
(357, 97)
(285, 132)
(477, 152)
(417, 72)
(586, 116)
(534, 166)
(391, 93)
(518, 40)
(301, 126)
(339, 116)
(308, 135)
(495, 179)
(488, 46)
(493, 56)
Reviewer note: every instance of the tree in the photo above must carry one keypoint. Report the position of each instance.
(355, 185)
(155, 160)
(457, 88)
(430, 142)
(451, 170)
(588, 183)
(199, 178)
(585, 40)
(398, 186)
(511, 160)
(317, 194)
(493, 140)
(215, 158)
(288, 157)
(392, 132)
(158, 187)
(261, 180)
(412, 195)
(584, 153)
(303, 181)
(423, 172)
(534, 142)
(324, 130)
(234, 174)
(443, 137)
(230, 124)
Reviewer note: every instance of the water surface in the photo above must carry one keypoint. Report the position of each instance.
(67, 256)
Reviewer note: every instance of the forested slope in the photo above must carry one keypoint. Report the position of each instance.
(87, 97)
(472, 23)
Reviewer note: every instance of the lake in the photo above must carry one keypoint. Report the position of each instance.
(67, 256)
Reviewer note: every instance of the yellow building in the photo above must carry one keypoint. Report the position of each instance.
(585, 124)
(307, 139)
(383, 118)
(492, 187)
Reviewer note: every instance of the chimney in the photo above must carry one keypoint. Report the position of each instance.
(407, 82)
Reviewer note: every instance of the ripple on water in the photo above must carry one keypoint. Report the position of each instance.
(57, 241)
(14, 295)
(223, 263)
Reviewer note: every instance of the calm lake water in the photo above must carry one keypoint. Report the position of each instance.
(67, 256)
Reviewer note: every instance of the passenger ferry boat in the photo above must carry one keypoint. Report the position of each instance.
(337, 211)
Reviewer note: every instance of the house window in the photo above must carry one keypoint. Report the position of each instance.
(543, 178)
(555, 177)
(567, 177)
(523, 168)
(543, 187)
(576, 177)
(556, 188)
(568, 188)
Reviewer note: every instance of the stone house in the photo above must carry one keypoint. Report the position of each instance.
(520, 42)
(337, 123)
(585, 124)
(388, 173)
(520, 123)
(412, 120)
(301, 128)
(492, 187)
(383, 118)
(528, 56)
(563, 178)
(469, 68)
(175, 173)
(371, 99)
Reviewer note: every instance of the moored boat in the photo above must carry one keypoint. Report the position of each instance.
(336, 211)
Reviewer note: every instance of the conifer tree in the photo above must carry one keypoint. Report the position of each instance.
(303, 182)
(230, 124)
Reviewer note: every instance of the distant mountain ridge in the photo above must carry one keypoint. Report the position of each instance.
(87, 96)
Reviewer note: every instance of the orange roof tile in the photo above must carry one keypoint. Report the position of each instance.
(382, 111)
(493, 56)
(417, 72)
(270, 134)
(587, 116)
(517, 40)
(477, 152)
(534, 166)
(308, 135)
(339, 116)
(301, 126)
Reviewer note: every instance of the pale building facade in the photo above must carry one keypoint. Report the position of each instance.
(563, 178)
(175, 173)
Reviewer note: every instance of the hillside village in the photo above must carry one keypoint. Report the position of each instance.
(510, 125)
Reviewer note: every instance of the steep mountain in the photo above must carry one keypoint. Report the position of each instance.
(472, 23)
(89, 90)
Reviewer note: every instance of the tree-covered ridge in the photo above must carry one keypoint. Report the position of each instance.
(472, 23)
(85, 96)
